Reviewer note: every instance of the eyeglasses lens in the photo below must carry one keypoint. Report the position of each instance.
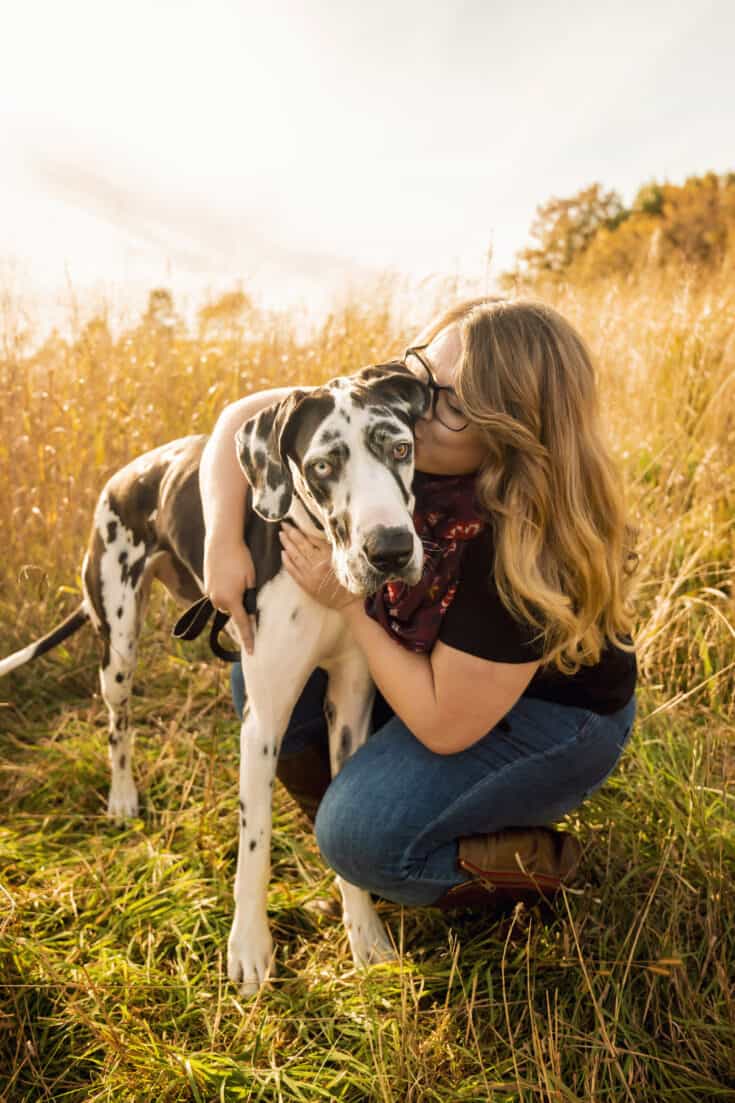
(444, 408)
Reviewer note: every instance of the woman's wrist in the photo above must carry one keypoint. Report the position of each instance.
(353, 606)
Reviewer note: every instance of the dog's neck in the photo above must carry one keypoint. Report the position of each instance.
(303, 517)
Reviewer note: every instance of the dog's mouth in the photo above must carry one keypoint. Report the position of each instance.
(377, 579)
(364, 579)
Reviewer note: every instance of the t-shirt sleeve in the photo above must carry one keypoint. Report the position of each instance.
(477, 621)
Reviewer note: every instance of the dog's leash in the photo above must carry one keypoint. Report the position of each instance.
(193, 622)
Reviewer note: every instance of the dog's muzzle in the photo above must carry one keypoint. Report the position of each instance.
(388, 550)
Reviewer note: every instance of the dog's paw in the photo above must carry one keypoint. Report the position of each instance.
(369, 941)
(122, 804)
(250, 959)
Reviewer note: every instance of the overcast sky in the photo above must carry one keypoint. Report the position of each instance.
(299, 145)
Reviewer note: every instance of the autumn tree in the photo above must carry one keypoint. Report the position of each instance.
(564, 228)
(591, 236)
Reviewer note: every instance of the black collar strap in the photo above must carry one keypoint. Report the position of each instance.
(193, 622)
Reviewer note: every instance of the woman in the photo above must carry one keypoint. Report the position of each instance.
(518, 703)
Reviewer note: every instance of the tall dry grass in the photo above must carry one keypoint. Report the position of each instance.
(76, 410)
(73, 412)
(111, 975)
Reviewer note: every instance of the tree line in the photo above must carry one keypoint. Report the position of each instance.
(592, 235)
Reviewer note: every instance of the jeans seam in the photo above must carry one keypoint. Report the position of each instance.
(591, 722)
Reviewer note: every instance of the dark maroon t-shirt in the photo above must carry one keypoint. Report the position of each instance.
(477, 622)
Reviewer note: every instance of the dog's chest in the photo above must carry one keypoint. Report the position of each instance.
(291, 623)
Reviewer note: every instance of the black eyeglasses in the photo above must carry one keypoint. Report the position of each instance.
(444, 399)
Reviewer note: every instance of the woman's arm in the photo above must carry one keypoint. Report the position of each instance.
(228, 565)
(447, 699)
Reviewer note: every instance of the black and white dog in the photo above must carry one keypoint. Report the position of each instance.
(337, 461)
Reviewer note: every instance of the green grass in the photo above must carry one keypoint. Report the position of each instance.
(113, 940)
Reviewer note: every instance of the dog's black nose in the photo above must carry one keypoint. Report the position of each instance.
(388, 549)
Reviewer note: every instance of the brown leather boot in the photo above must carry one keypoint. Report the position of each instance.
(521, 863)
(306, 775)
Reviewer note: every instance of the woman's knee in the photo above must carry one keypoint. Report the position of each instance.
(332, 829)
(367, 819)
(349, 839)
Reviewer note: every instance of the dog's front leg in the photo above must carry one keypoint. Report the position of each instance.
(250, 947)
(348, 706)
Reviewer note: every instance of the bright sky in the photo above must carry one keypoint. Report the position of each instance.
(299, 146)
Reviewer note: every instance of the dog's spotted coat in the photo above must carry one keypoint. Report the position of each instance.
(336, 460)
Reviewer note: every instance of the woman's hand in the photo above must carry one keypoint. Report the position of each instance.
(228, 572)
(308, 559)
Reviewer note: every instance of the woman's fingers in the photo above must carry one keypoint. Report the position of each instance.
(245, 623)
(244, 626)
(304, 540)
(233, 572)
(309, 561)
(296, 548)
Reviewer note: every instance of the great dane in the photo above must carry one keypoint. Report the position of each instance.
(337, 461)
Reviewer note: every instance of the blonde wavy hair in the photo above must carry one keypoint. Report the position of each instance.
(564, 551)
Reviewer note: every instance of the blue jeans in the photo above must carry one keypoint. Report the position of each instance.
(389, 822)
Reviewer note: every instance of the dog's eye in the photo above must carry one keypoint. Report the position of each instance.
(321, 469)
(402, 451)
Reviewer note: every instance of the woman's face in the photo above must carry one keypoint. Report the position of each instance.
(439, 450)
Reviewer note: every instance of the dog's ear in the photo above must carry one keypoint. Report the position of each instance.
(260, 450)
(396, 385)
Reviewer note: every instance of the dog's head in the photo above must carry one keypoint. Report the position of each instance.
(346, 451)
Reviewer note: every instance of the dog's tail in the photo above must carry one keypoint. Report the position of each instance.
(40, 647)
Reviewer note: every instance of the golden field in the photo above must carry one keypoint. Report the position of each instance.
(111, 940)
